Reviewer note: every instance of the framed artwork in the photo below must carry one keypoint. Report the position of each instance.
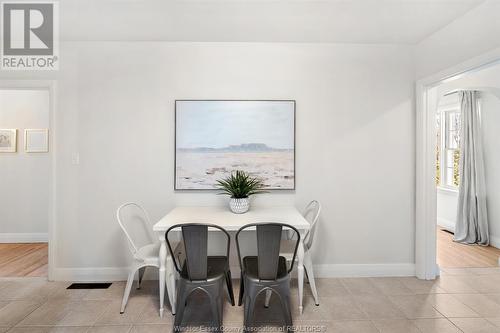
(36, 140)
(215, 137)
(8, 140)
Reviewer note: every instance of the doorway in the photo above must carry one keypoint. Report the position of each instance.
(437, 166)
(26, 182)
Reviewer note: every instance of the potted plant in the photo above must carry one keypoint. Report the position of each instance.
(240, 185)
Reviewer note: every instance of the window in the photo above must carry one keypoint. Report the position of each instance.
(448, 123)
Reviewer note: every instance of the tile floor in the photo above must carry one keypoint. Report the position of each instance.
(461, 300)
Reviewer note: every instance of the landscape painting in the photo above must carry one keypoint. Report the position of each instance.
(214, 138)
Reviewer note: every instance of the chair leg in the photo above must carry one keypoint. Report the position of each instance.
(128, 287)
(215, 301)
(248, 311)
(181, 305)
(229, 283)
(287, 314)
(269, 292)
(141, 275)
(242, 290)
(309, 269)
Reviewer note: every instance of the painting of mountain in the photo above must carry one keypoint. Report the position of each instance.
(214, 138)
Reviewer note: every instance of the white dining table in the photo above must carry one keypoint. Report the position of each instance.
(222, 217)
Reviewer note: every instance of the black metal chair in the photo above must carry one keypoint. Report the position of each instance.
(266, 271)
(199, 271)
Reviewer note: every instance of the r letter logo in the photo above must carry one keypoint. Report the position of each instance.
(29, 36)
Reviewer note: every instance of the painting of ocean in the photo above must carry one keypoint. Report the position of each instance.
(214, 138)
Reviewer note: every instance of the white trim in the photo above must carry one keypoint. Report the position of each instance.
(426, 210)
(41, 237)
(90, 274)
(446, 224)
(448, 190)
(110, 274)
(51, 86)
(363, 270)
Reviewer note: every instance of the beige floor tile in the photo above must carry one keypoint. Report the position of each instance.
(339, 308)
(435, 326)
(455, 271)
(360, 286)
(15, 311)
(112, 316)
(233, 314)
(32, 289)
(163, 328)
(457, 284)
(421, 286)
(494, 321)
(487, 284)
(485, 271)
(110, 329)
(395, 326)
(449, 306)
(494, 297)
(48, 329)
(415, 306)
(350, 326)
(475, 325)
(378, 307)
(327, 288)
(391, 286)
(150, 313)
(67, 313)
(60, 291)
(481, 304)
(4, 329)
(114, 292)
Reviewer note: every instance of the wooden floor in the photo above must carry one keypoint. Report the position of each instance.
(19, 260)
(455, 255)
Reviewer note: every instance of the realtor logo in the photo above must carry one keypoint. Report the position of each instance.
(29, 35)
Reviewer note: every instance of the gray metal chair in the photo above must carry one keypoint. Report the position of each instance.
(266, 271)
(199, 271)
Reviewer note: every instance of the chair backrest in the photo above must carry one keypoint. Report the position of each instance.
(311, 213)
(135, 223)
(269, 237)
(195, 242)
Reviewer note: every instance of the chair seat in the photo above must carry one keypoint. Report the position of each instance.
(216, 266)
(148, 253)
(251, 267)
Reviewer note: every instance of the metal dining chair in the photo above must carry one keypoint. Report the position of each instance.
(268, 271)
(199, 271)
(136, 225)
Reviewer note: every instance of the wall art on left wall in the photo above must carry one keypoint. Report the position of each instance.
(36, 140)
(8, 140)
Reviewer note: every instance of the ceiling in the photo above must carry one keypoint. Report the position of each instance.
(339, 21)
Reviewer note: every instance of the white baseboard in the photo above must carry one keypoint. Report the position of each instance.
(109, 274)
(24, 237)
(495, 241)
(94, 274)
(364, 270)
(446, 224)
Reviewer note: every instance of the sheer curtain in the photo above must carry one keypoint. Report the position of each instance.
(472, 217)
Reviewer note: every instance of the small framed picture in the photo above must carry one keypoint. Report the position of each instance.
(8, 140)
(36, 140)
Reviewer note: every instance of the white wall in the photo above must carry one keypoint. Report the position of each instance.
(487, 81)
(24, 181)
(355, 142)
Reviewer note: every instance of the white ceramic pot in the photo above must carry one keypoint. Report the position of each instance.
(239, 206)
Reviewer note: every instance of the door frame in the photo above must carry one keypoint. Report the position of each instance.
(426, 193)
(51, 87)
